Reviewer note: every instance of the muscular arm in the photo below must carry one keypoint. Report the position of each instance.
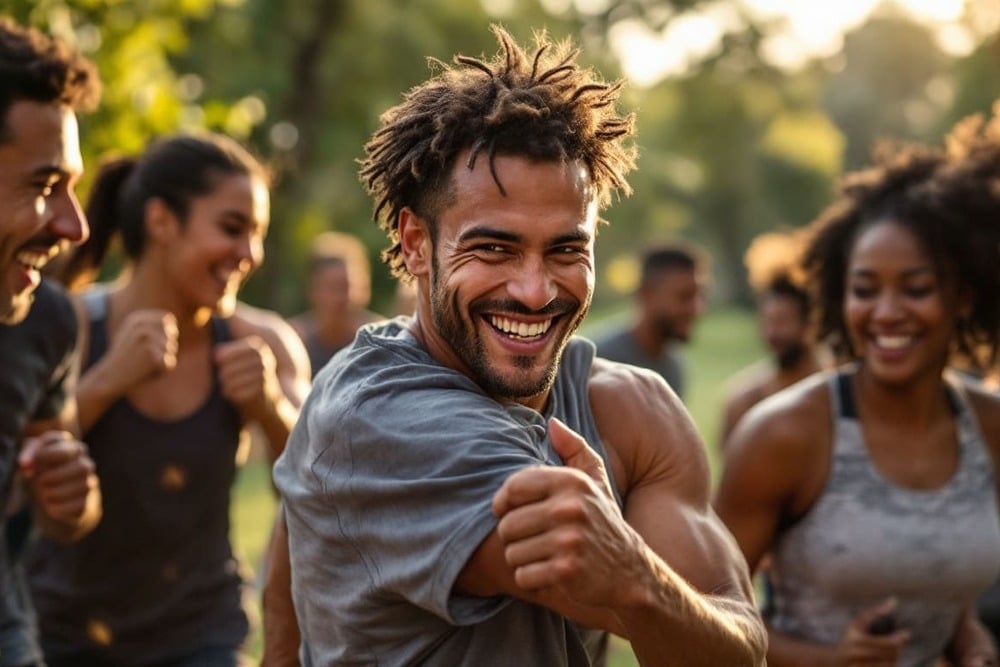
(694, 603)
(664, 574)
(281, 629)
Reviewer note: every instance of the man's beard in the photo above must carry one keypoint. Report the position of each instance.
(463, 338)
(790, 355)
(18, 309)
(668, 330)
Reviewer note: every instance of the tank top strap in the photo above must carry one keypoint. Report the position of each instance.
(972, 443)
(570, 398)
(842, 396)
(96, 303)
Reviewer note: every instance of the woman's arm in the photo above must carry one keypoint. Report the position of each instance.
(264, 371)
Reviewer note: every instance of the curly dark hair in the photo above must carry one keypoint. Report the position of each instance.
(771, 263)
(39, 68)
(543, 107)
(950, 200)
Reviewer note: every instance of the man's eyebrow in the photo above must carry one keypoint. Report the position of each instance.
(485, 232)
(578, 236)
(49, 170)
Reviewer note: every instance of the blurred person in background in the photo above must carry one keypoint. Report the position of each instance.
(671, 296)
(174, 370)
(339, 292)
(873, 486)
(783, 322)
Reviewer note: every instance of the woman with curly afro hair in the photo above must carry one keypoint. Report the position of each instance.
(873, 486)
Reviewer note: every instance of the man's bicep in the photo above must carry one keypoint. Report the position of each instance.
(690, 538)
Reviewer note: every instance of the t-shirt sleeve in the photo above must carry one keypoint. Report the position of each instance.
(412, 474)
(63, 349)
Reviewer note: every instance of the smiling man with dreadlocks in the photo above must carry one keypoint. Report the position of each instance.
(471, 485)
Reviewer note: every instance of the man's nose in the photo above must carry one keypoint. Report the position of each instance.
(532, 284)
(68, 220)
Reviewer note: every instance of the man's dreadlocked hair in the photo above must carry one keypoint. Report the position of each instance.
(38, 68)
(543, 107)
(950, 200)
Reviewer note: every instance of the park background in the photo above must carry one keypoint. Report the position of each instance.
(748, 110)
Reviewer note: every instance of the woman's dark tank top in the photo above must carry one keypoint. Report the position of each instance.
(157, 578)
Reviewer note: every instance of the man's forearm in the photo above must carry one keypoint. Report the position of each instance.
(670, 623)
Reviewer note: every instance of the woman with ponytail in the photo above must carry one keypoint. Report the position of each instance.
(174, 371)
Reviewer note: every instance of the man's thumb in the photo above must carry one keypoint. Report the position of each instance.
(29, 453)
(35, 453)
(574, 450)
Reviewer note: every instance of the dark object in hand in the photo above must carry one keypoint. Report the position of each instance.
(883, 625)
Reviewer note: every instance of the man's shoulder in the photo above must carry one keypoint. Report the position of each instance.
(385, 365)
(630, 388)
(51, 322)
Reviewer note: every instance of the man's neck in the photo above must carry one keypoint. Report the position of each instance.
(649, 339)
(804, 367)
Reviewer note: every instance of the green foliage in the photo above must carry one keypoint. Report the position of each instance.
(734, 148)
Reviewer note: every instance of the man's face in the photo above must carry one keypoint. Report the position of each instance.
(672, 300)
(511, 277)
(40, 215)
(329, 289)
(784, 328)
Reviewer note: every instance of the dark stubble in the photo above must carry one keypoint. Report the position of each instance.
(463, 338)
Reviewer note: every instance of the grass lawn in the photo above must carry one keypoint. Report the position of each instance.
(724, 342)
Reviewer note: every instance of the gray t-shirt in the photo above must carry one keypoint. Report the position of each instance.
(387, 480)
(37, 362)
(619, 345)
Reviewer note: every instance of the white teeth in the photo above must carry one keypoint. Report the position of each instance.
(893, 342)
(33, 259)
(520, 329)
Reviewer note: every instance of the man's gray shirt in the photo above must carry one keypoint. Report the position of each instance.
(387, 480)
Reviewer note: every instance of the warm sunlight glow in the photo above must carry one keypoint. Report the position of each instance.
(800, 31)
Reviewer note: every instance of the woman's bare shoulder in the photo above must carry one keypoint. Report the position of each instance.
(785, 424)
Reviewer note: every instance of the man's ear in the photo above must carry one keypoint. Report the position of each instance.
(159, 220)
(415, 242)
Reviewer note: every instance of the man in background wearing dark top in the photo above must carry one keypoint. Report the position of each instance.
(339, 292)
(42, 466)
(670, 297)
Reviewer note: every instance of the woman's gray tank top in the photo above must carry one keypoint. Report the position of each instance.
(866, 539)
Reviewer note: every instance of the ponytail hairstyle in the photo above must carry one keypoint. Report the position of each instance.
(175, 170)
